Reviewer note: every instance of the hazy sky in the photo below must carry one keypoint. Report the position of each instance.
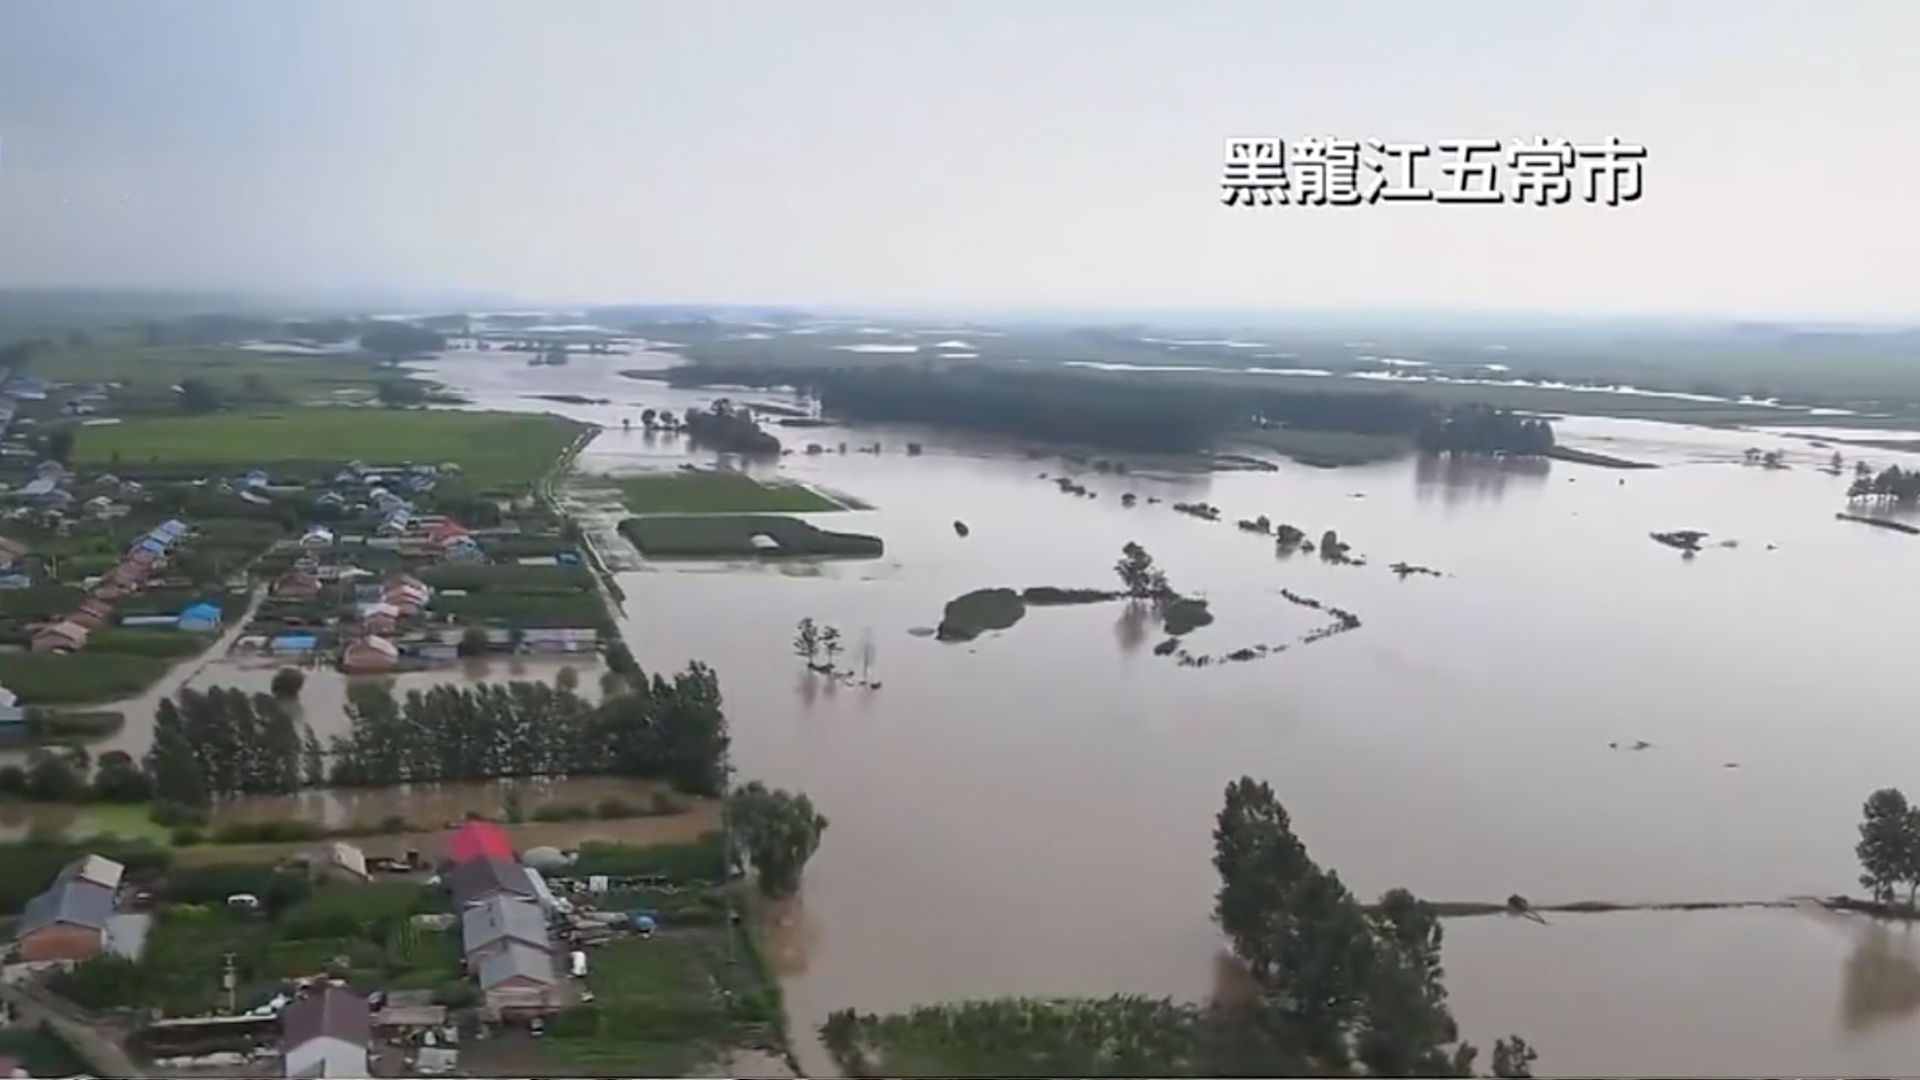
(926, 152)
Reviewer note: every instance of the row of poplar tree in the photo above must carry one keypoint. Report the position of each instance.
(224, 742)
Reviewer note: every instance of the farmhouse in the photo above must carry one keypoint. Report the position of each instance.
(326, 1034)
(69, 920)
(480, 880)
(489, 926)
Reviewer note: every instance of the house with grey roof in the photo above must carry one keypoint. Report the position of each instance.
(326, 1033)
(480, 879)
(66, 922)
(518, 977)
(489, 926)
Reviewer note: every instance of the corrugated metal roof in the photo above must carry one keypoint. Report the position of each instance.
(98, 869)
(333, 1011)
(502, 918)
(75, 902)
(516, 961)
(477, 879)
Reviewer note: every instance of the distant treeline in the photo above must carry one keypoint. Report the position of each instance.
(1121, 412)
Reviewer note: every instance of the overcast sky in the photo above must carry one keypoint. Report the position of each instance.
(927, 152)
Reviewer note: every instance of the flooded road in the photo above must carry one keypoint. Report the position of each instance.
(1030, 813)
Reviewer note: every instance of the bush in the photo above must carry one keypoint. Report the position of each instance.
(287, 683)
(186, 835)
(474, 642)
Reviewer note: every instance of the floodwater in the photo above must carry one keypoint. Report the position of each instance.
(1030, 813)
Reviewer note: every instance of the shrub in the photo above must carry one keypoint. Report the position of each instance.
(288, 682)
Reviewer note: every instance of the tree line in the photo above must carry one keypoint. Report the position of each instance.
(1891, 484)
(720, 426)
(223, 743)
(1477, 430)
(1153, 415)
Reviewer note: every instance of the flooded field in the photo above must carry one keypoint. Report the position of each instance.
(1030, 813)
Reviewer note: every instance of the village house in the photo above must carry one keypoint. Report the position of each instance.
(65, 636)
(296, 585)
(92, 613)
(69, 920)
(370, 655)
(339, 861)
(491, 925)
(326, 1033)
(200, 618)
(481, 880)
(518, 977)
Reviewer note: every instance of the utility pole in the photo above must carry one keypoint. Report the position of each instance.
(228, 980)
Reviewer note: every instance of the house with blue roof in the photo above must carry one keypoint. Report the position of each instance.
(200, 618)
(152, 545)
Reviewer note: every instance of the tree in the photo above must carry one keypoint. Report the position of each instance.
(398, 340)
(199, 396)
(779, 832)
(172, 763)
(1889, 847)
(57, 776)
(117, 778)
(831, 648)
(398, 393)
(287, 683)
(806, 641)
(473, 642)
(1142, 580)
(57, 444)
(567, 679)
(1342, 989)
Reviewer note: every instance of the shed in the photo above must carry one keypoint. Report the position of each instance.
(62, 637)
(763, 542)
(341, 860)
(293, 644)
(200, 618)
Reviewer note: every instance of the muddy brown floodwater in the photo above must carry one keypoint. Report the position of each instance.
(1030, 813)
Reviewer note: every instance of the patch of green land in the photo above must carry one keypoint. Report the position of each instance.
(490, 447)
(731, 536)
(713, 491)
(1185, 615)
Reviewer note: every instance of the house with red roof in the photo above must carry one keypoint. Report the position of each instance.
(478, 840)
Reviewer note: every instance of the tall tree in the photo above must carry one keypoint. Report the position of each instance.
(1889, 847)
(172, 763)
(779, 830)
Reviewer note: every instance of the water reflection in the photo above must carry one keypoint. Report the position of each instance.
(1882, 984)
(1456, 480)
(1130, 629)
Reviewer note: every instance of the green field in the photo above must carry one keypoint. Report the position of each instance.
(716, 492)
(730, 536)
(149, 374)
(489, 447)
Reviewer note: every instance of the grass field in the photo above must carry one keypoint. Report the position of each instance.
(489, 447)
(715, 492)
(730, 536)
(658, 1008)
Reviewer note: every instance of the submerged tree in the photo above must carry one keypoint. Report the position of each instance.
(779, 831)
(806, 641)
(1341, 989)
(1142, 580)
(1889, 847)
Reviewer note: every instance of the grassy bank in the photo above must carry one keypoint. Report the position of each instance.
(710, 491)
(1118, 1036)
(730, 536)
(490, 448)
